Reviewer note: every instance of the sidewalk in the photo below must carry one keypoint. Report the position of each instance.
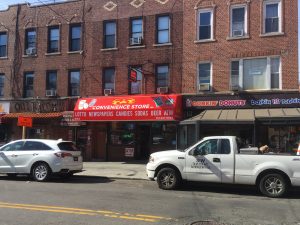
(117, 170)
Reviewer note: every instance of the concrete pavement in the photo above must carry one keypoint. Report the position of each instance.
(117, 170)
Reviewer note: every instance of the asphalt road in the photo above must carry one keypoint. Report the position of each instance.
(93, 200)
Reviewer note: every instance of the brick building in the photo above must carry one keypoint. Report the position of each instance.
(51, 55)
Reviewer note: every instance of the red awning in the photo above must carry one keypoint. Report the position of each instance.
(129, 108)
(33, 115)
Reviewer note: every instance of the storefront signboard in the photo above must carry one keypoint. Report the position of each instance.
(129, 152)
(68, 120)
(249, 100)
(129, 108)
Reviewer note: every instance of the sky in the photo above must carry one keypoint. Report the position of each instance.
(5, 3)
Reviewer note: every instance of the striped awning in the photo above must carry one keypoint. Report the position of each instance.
(33, 115)
(244, 115)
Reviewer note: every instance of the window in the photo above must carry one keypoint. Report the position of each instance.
(67, 146)
(136, 87)
(207, 147)
(34, 145)
(205, 24)
(2, 78)
(272, 16)
(136, 31)
(122, 133)
(204, 76)
(53, 39)
(238, 21)
(13, 147)
(3, 44)
(257, 73)
(163, 29)
(109, 79)
(30, 41)
(163, 135)
(110, 30)
(51, 80)
(28, 84)
(225, 146)
(162, 76)
(75, 37)
(74, 83)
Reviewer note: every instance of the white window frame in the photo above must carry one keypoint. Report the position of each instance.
(169, 29)
(210, 78)
(211, 24)
(245, 6)
(268, 73)
(269, 2)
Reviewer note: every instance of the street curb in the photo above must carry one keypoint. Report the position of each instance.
(115, 178)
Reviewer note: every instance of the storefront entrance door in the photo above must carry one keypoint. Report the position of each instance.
(100, 146)
(144, 140)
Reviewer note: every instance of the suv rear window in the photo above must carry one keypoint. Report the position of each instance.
(67, 146)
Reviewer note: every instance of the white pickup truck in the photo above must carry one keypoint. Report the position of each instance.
(220, 159)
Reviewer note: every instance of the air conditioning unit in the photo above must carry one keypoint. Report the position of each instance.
(30, 51)
(107, 91)
(75, 92)
(162, 90)
(235, 88)
(135, 40)
(238, 33)
(204, 87)
(50, 93)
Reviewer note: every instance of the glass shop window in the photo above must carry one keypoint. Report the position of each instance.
(122, 134)
(164, 134)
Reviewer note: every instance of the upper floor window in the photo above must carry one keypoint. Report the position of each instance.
(75, 37)
(204, 77)
(74, 83)
(272, 16)
(135, 80)
(51, 82)
(256, 74)
(2, 78)
(109, 80)
(238, 21)
(3, 44)
(136, 31)
(162, 77)
(53, 39)
(205, 24)
(163, 29)
(28, 84)
(30, 41)
(110, 32)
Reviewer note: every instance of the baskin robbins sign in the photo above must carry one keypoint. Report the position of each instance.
(265, 100)
(129, 108)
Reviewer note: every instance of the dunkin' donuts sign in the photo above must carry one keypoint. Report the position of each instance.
(272, 100)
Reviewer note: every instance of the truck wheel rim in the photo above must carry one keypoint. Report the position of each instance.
(273, 185)
(40, 172)
(167, 179)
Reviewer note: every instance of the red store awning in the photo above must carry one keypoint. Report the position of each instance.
(129, 108)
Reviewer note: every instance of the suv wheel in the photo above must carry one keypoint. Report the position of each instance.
(41, 172)
(168, 179)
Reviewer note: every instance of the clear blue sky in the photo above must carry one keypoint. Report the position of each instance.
(5, 3)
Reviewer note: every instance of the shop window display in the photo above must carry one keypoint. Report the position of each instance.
(164, 134)
(122, 134)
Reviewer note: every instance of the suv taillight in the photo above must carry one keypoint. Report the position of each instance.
(63, 154)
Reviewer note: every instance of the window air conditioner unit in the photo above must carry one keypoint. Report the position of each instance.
(204, 87)
(30, 51)
(50, 93)
(235, 88)
(163, 90)
(75, 92)
(107, 91)
(135, 40)
(238, 33)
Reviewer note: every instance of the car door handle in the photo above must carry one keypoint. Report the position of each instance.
(216, 160)
(35, 154)
(14, 155)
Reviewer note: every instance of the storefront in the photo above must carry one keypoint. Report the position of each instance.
(271, 119)
(129, 127)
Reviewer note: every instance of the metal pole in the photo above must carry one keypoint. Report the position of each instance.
(24, 132)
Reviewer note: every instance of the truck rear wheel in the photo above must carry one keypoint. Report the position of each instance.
(168, 179)
(273, 185)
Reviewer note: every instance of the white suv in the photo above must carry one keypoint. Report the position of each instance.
(40, 158)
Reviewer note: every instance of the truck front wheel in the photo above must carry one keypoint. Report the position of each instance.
(273, 185)
(168, 179)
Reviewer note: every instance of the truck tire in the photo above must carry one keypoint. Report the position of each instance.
(273, 185)
(168, 179)
(41, 172)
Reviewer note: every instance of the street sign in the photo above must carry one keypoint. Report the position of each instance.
(24, 121)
